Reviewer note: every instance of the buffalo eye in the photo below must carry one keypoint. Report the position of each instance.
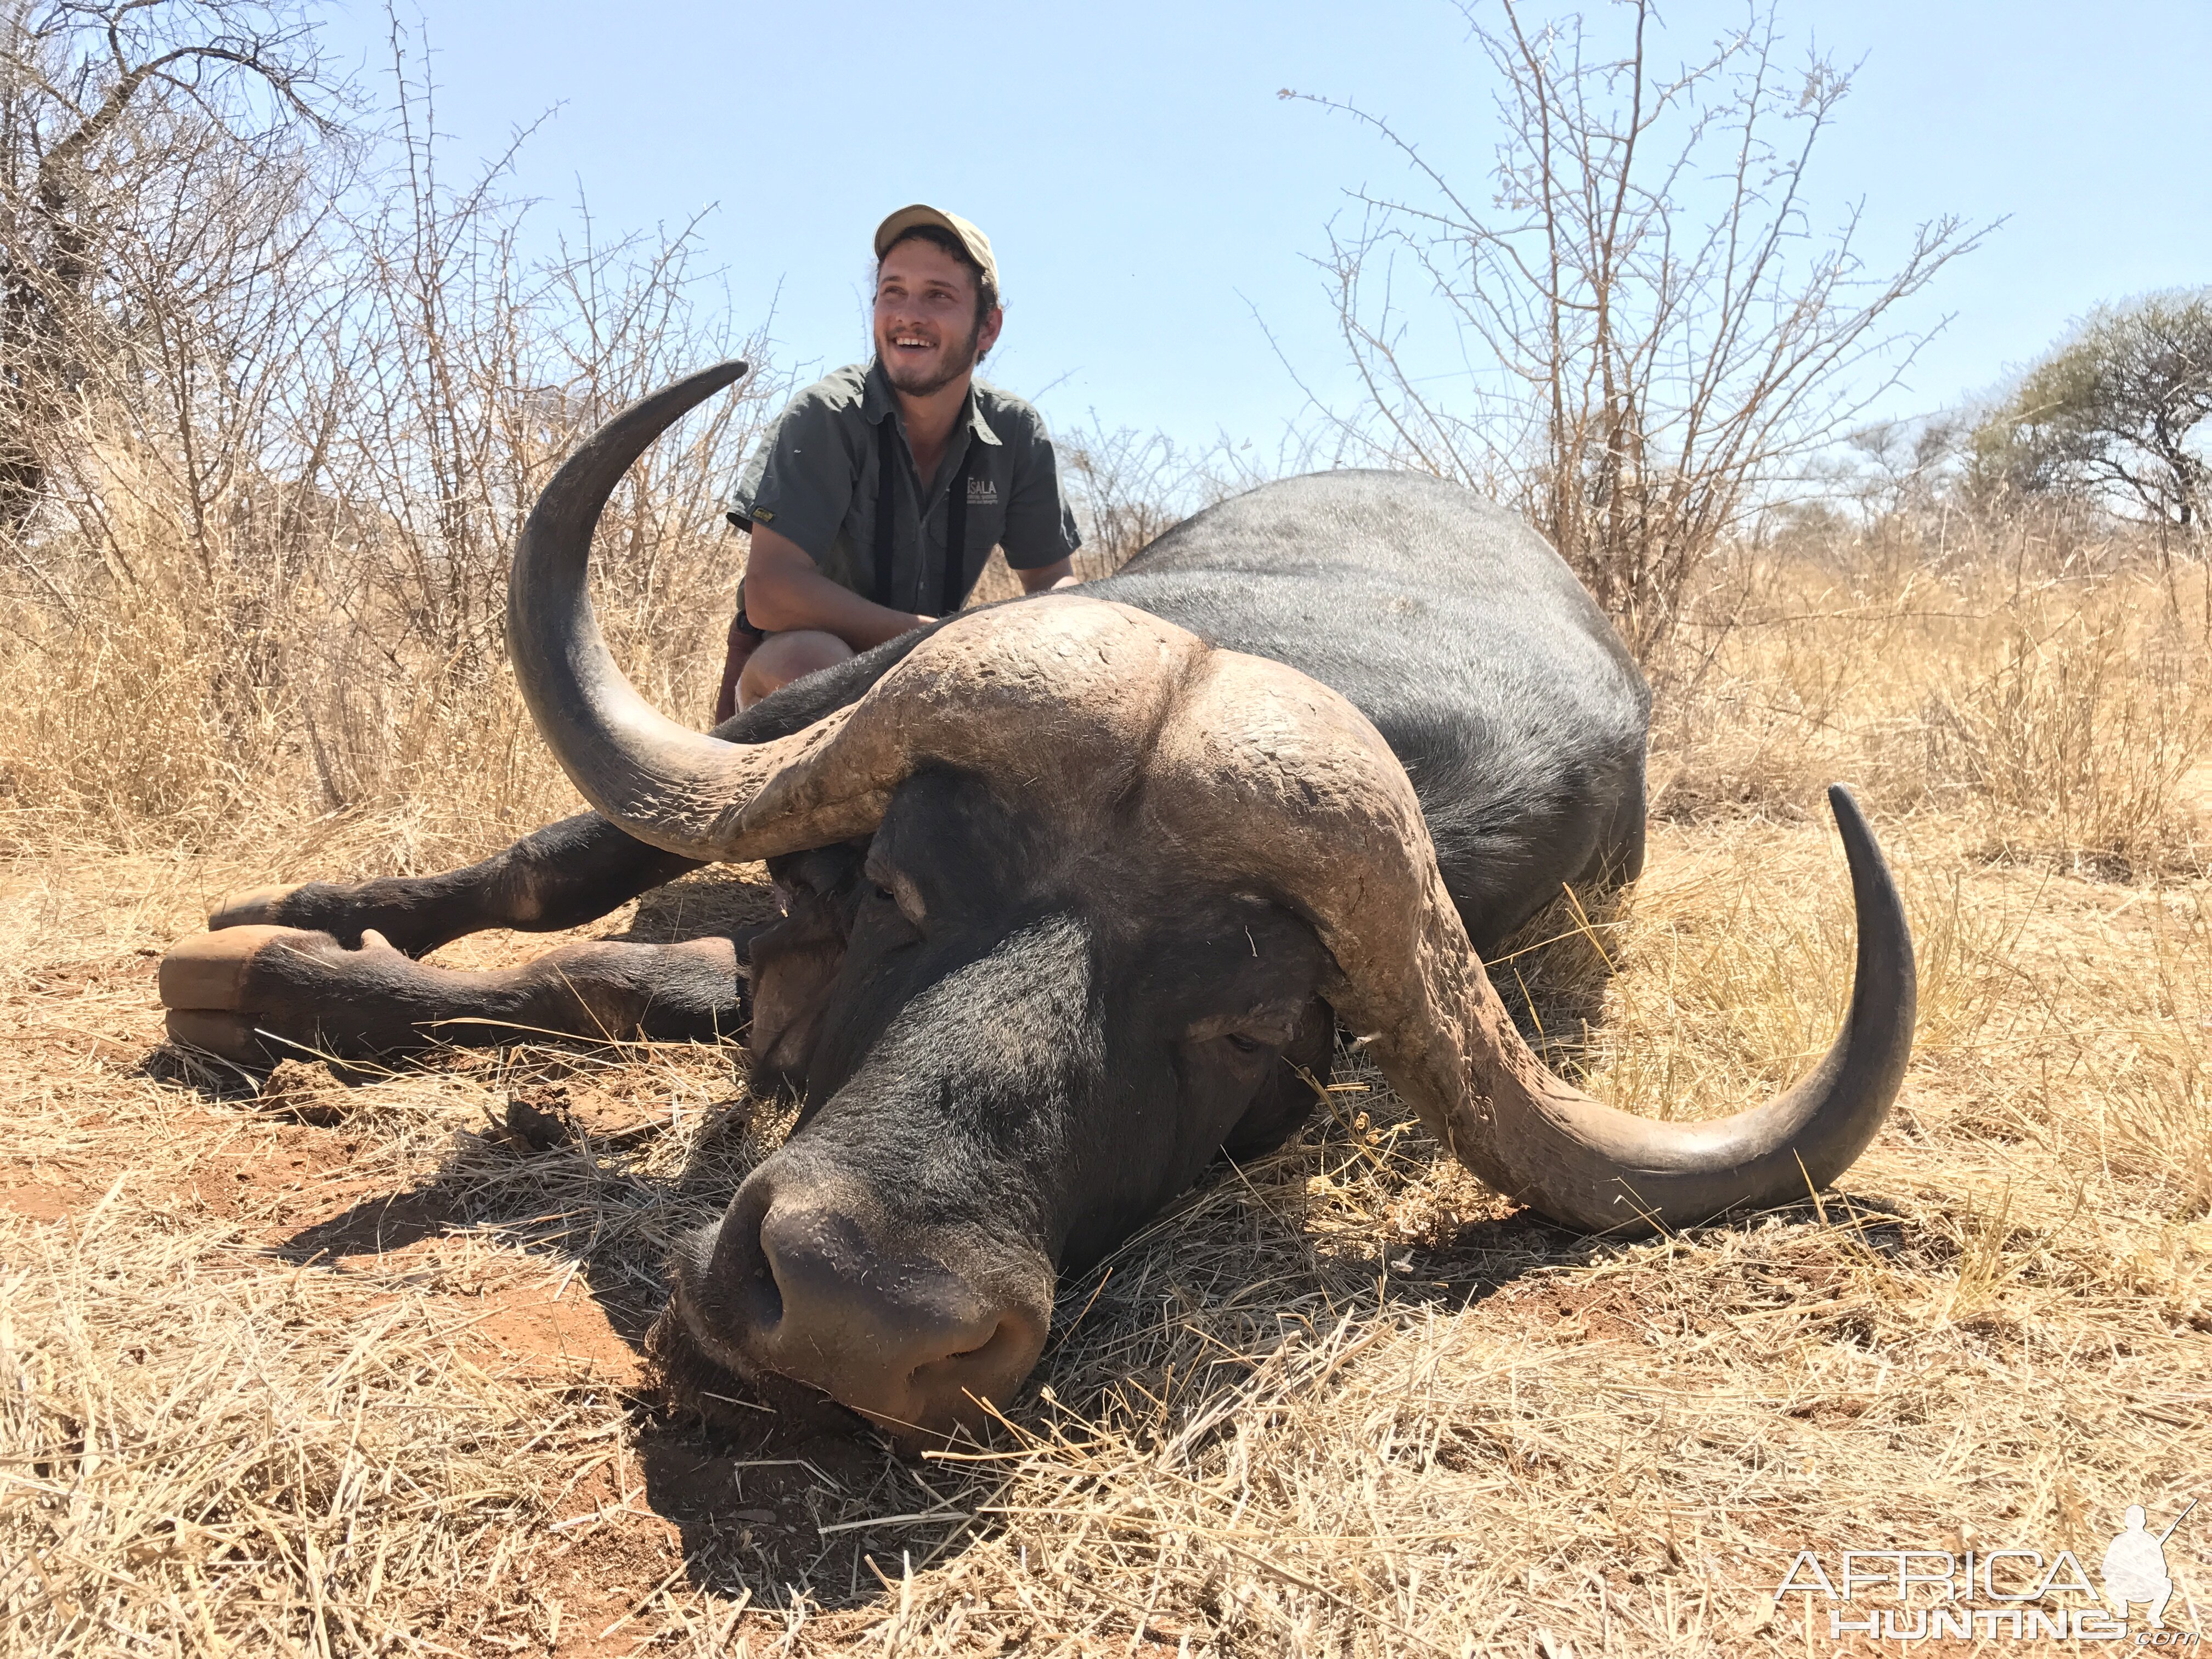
(1254, 1032)
(893, 887)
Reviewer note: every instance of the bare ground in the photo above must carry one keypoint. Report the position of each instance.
(355, 1362)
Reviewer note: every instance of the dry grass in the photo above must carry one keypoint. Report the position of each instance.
(2059, 716)
(347, 1366)
(165, 712)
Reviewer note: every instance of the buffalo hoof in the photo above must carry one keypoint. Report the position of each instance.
(255, 994)
(255, 907)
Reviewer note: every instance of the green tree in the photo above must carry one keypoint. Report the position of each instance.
(2117, 415)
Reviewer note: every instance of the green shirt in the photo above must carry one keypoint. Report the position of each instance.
(817, 475)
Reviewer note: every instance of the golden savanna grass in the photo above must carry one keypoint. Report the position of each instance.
(351, 1362)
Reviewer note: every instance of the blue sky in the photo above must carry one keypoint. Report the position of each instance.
(1153, 201)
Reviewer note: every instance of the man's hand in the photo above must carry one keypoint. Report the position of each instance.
(784, 591)
(740, 652)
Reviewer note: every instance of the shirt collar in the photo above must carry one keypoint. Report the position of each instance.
(877, 400)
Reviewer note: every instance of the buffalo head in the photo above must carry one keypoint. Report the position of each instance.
(1075, 895)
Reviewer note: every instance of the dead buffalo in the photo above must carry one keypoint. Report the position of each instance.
(1074, 886)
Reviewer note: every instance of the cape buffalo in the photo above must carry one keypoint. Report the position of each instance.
(1074, 884)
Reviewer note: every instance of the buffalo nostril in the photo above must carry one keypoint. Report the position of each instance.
(1009, 1334)
(737, 1288)
(765, 1299)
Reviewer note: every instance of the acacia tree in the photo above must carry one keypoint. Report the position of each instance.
(1645, 328)
(2115, 415)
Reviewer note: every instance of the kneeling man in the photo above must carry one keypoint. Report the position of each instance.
(878, 496)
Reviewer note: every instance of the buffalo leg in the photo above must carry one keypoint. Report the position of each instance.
(560, 877)
(255, 994)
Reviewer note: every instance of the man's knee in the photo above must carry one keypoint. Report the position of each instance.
(783, 658)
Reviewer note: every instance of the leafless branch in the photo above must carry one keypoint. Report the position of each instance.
(1652, 335)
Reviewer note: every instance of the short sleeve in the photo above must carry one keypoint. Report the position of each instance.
(800, 480)
(1040, 528)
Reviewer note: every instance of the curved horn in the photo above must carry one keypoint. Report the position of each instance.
(1539, 1139)
(668, 786)
(1067, 685)
(1307, 797)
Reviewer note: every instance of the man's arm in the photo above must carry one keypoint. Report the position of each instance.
(1039, 536)
(785, 590)
(1059, 575)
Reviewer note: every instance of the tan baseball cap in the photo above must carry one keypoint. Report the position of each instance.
(977, 244)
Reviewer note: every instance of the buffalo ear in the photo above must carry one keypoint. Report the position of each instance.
(1286, 1099)
(795, 962)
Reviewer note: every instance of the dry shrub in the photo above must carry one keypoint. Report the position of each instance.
(109, 726)
(2082, 729)
(2057, 715)
(1637, 363)
(150, 712)
(311, 391)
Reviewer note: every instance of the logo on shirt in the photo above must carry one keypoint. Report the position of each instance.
(982, 492)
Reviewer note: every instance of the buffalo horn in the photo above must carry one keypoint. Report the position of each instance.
(668, 786)
(1268, 773)
(1537, 1137)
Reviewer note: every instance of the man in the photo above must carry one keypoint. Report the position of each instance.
(878, 496)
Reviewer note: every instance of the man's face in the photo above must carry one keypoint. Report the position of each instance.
(925, 329)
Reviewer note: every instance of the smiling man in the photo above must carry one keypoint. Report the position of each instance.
(878, 496)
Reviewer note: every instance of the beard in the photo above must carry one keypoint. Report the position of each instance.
(954, 359)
